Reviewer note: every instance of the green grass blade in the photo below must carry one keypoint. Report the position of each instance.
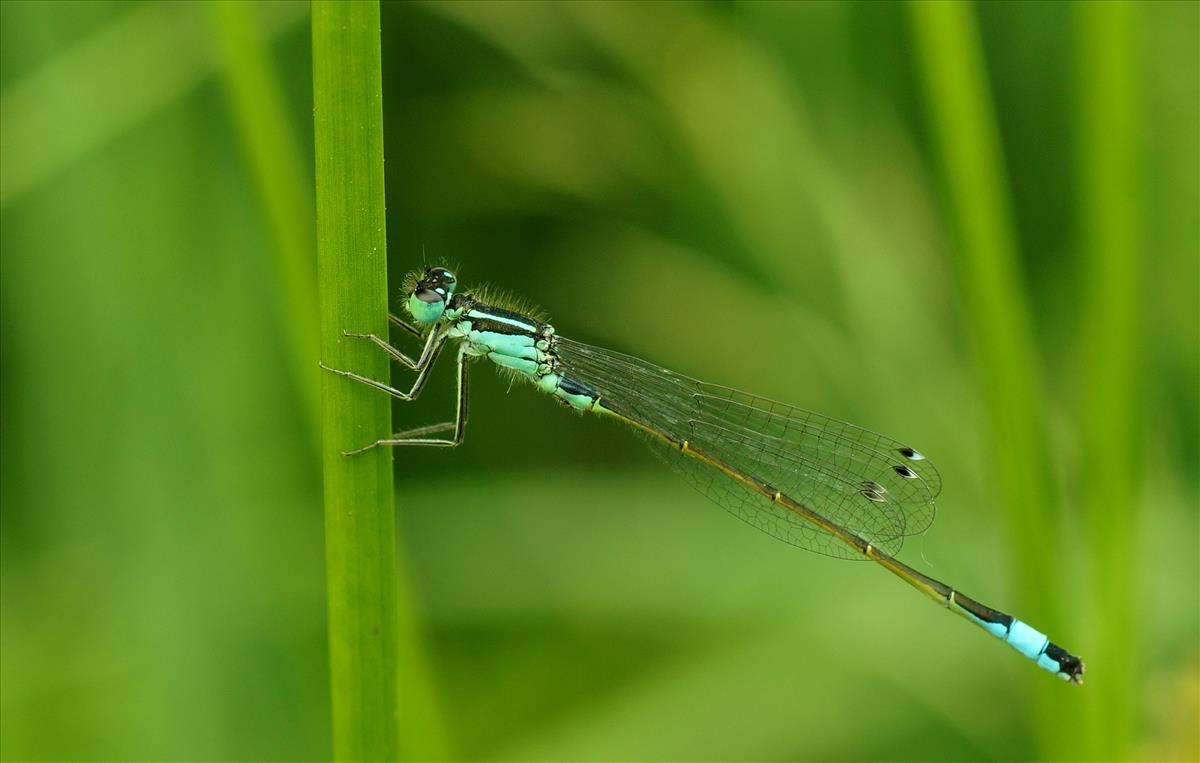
(967, 144)
(272, 147)
(383, 704)
(1109, 384)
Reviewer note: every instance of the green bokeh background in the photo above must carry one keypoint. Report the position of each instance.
(752, 193)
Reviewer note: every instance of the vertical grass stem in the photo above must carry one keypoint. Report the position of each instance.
(383, 705)
(1107, 162)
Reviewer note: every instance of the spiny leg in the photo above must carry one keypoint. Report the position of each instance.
(459, 425)
(387, 347)
(430, 429)
(396, 320)
(428, 352)
(433, 348)
(395, 354)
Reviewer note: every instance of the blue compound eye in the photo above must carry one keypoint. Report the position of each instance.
(426, 305)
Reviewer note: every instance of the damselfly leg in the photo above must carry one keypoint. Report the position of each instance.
(396, 320)
(413, 436)
(429, 355)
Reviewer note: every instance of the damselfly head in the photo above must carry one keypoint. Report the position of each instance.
(429, 293)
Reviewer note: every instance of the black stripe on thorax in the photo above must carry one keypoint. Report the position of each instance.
(497, 320)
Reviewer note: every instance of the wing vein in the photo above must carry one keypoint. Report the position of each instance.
(852, 477)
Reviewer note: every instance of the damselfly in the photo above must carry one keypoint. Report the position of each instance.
(804, 478)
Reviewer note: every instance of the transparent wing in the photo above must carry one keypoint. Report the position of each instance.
(871, 485)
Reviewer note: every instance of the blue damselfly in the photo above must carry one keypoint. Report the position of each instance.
(807, 479)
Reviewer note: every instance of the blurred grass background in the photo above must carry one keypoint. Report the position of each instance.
(973, 227)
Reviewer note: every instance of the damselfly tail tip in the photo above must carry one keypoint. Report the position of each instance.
(1058, 660)
(1076, 678)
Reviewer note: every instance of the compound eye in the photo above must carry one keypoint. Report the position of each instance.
(428, 296)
